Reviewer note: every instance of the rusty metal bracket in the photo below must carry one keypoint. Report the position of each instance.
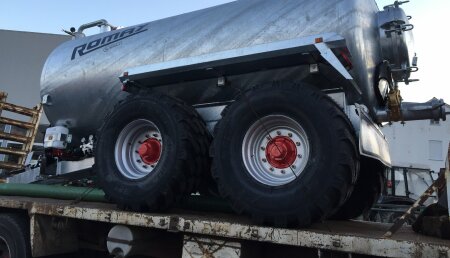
(394, 101)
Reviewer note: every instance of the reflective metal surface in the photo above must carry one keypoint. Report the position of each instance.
(396, 41)
(121, 240)
(98, 23)
(372, 142)
(81, 76)
(432, 109)
(265, 56)
(127, 148)
(258, 140)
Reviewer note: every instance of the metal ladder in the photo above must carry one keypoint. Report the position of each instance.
(443, 181)
(27, 139)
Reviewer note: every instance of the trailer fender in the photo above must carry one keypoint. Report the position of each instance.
(244, 60)
(372, 142)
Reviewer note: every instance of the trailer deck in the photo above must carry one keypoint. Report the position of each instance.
(345, 236)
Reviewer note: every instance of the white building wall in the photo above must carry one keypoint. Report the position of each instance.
(419, 144)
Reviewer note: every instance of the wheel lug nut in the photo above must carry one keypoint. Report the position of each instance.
(152, 166)
(262, 148)
(289, 134)
(271, 169)
(137, 152)
(155, 135)
(145, 166)
(294, 167)
(278, 133)
(297, 143)
(283, 172)
(300, 156)
(138, 161)
(147, 136)
(264, 160)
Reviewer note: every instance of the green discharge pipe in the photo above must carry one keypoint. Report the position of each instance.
(193, 202)
(54, 191)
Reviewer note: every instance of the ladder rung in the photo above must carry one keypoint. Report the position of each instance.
(14, 137)
(10, 151)
(18, 109)
(8, 121)
(8, 165)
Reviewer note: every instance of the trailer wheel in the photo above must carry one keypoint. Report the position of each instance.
(285, 154)
(369, 186)
(150, 151)
(14, 236)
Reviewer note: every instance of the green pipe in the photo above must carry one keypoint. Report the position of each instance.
(54, 191)
(193, 202)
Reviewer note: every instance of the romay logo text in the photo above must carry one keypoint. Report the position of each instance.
(91, 46)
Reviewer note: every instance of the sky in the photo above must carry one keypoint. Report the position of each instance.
(50, 16)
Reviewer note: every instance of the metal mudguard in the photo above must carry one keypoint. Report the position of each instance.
(266, 56)
(372, 142)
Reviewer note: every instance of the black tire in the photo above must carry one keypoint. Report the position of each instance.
(330, 170)
(369, 186)
(433, 221)
(183, 159)
(14, 236)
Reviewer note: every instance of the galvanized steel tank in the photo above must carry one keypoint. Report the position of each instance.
(80, 77)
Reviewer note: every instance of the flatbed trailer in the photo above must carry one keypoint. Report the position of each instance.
(54, 229)
(315, 70)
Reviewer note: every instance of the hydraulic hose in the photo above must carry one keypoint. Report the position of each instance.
(53, 191)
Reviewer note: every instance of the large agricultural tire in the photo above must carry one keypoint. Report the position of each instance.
(302, 172)
(151, 150)
(14, 236)
(369, 186)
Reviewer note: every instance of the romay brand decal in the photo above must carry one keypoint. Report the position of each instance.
(93, 45)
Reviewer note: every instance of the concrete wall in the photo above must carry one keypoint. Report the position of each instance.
(419, 144)
(22, 57)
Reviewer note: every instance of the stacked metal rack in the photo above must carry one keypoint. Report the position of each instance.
(25, 139)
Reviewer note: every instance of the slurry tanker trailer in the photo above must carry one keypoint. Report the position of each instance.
(275, 106)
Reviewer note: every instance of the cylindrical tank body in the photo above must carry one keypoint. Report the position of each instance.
(80, 77)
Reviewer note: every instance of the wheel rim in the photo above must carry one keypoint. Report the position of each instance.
(138, 149)
(4, 249)
(275, 150)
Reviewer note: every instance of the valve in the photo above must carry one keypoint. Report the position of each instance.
(396, 4)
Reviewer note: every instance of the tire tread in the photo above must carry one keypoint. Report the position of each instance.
(190, 167)
(345, 172)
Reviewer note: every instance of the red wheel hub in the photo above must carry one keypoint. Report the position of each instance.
(281, 152)
(150, 151)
